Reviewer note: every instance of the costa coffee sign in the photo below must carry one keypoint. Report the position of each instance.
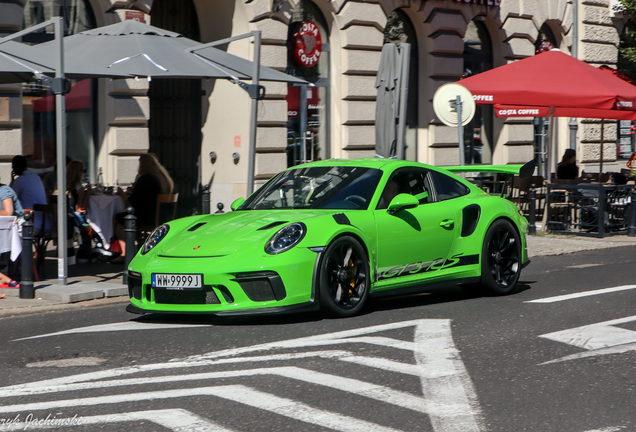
(307, 44)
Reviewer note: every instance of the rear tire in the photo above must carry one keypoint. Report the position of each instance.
(344, 278)
(501, 258)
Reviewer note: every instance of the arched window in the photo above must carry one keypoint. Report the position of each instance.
(38, 108)
(545, 39)
(308, 106)
(478, 134)
(399, 29)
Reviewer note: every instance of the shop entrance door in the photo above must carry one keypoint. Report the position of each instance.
(307, 122)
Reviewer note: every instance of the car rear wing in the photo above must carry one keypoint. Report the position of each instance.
(523, 171)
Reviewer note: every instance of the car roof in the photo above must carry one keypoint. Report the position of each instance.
(378, 163)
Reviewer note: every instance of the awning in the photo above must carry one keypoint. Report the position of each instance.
(78, 98)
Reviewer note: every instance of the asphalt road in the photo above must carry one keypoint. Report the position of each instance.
(441, 361)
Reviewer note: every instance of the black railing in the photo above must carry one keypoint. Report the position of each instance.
(587, 209)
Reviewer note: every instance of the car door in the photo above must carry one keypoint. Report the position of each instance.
(413, 243)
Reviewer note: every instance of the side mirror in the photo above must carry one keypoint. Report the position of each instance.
(401, 202)
(237, 203)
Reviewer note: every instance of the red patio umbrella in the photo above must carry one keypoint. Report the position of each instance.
(556, 85)
(552, 79)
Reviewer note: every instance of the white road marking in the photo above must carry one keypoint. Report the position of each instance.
(122, 326)
(608, 429)
(177, 420)
(448, 394)
(580, 266)
(360, 388)
(599, 339)
(199, 360)
(235, 393)
(445, 380)
(582, 294)
(70, 362)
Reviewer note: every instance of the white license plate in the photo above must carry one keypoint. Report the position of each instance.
(176, 281)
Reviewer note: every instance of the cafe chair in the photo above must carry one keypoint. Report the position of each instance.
(521, 194)
(166, 211)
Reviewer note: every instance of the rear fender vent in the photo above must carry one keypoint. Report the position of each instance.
(470, 218)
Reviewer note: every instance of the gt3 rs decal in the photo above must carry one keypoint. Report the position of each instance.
(420, 267)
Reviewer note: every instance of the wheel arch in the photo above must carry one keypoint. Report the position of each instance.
(359, 237)
(493, 221)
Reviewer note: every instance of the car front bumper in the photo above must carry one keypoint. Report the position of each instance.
(235, 285)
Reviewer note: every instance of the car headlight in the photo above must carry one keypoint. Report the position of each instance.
(286, 238)
(153, 239)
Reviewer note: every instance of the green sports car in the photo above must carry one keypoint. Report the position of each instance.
(329, 234)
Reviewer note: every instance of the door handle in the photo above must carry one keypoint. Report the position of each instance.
(447, 223)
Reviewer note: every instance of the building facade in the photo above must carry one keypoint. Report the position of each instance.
(200, 128)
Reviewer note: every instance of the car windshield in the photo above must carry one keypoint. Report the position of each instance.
(336, 187)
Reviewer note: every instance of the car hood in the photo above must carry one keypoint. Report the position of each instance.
(220, 235)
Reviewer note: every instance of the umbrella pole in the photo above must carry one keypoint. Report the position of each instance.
(550, 149)
(548, 171)
(60, 126)
(405, 56)
(254, 120)
(600, 170)
(460, 130)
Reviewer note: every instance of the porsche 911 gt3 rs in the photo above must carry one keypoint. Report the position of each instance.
(328, 235)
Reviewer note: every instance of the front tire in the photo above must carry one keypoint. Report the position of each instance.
(344, 278)
(501, 258)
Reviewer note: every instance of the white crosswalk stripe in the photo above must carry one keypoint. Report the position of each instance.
(598, 339)
(448, 397)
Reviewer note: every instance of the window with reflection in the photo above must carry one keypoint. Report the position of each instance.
(399, 29)
(308, 105)
(38, 113)
(478, 134)
(328, 187)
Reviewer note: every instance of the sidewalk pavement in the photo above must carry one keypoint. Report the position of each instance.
(100, 283)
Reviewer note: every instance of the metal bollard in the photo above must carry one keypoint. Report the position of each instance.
(206, 199)
(532, 208)
(26, 284)
(219, 206)
(130, 229)
(631, 228)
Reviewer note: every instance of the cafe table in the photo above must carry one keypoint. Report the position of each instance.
(10, 240)
(102, 209)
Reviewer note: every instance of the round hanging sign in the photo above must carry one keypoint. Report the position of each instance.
(307, 44)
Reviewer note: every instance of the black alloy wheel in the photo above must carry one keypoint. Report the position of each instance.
(501, 258)
(344, 278)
